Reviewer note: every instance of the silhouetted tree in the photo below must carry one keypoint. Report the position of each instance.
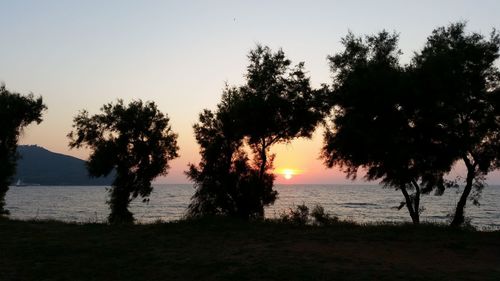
(458, 85)
(277, 103)
(16, 112)
(135, 140)
(372, 125)
(225, 182)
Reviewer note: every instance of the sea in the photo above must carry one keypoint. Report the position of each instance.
(168, 202)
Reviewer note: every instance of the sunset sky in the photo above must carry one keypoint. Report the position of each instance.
(82, 54)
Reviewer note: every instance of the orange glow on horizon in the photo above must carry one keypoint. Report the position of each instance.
(287, 173)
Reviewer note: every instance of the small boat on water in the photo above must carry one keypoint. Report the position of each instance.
(20, 183)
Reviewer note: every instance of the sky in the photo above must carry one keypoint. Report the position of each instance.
(180, 54)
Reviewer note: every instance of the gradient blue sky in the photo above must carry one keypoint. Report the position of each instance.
(82, 54)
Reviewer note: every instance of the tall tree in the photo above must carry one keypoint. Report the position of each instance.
(226, 183)
(136, 140)
(372, 122)
(277, 103)
(458, 85)
(16, 112)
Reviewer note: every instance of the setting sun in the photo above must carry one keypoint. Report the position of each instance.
(288, 173)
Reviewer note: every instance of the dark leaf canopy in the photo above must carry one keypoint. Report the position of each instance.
(135, 139)
(16, 112)
(277, 102)
(372, 125)
(225, 182)
(415, 122)
(458, 84)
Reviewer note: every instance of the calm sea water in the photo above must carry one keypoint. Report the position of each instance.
(360, 203)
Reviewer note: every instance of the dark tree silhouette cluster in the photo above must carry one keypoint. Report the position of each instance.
(373, 122)
(458, 87)
(135, 140)
(226, 181)
(275, 105)
(16, 112)
(409, 125)
(278, 102)
(405, 125)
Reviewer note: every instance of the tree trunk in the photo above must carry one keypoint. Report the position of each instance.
(118, 203)
(415, 217)
(416, 201)
(263, 160)
(459, 218)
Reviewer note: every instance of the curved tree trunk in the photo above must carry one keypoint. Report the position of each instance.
(459, 217)
(415, 216)
(416, 201)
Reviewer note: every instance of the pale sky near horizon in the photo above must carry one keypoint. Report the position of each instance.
(82, 54)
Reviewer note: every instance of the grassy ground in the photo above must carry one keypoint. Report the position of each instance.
(223, 249)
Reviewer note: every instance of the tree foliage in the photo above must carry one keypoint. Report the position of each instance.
(372, 125)
(226, 182)
(16, 112)
(458, 84)
(275, 105)
(136, 140)
(408, 126)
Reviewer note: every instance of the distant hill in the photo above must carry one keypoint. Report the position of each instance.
(37, 165)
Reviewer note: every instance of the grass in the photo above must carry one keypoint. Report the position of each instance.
(226, 249)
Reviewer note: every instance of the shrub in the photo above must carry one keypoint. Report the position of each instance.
(321, 217)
